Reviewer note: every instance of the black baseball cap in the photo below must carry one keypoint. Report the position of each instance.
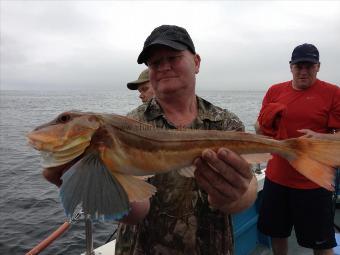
(169, 35)
(305, 53)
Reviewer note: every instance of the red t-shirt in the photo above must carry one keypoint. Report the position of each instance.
(316, 108)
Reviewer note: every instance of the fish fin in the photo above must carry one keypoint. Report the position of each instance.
(315, 159)
(321, 174)
(89, 184)
(257, 158)
(326, 151)
(136, 189)
(188, 171)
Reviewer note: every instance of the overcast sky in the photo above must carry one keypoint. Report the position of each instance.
(63, 45)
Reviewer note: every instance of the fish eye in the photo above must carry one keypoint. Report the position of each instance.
(64, 118)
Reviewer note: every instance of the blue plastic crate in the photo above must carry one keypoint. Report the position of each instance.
(246, 235)
(245, 231)
(337, 249)
(244, 217)
(247, 241)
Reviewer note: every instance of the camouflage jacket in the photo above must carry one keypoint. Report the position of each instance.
(180, 220)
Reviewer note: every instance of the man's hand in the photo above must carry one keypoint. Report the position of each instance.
(309, 133)
(138, 211)
(53, 174)
(312, 134)
(227, 178)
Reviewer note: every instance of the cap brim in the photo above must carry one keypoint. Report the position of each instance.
(143, 56)
(134, 84)
(311, 60)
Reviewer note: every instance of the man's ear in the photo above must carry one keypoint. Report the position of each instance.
(197, 60)
(319, 64)
(290, 67)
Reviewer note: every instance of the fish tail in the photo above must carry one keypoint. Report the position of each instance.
(89, 184)
(315, 159)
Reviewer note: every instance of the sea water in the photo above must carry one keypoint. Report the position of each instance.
(30, 209)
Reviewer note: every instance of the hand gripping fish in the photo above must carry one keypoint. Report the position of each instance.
(113, 151)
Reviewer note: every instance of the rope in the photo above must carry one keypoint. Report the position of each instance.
(47, 241)
(58, 232)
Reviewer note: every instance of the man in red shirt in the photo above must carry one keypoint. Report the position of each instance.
(303, 106)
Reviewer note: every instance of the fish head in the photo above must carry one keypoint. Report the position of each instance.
(65, 137)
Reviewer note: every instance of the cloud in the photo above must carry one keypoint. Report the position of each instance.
(94, 44)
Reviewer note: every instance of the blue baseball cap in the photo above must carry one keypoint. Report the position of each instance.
(305, 53)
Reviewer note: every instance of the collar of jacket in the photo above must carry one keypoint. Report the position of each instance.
(154, 111)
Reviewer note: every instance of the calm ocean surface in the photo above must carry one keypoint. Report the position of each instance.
(30, 207)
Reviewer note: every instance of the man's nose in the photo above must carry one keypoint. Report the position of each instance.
(304, 69)
(164, 64)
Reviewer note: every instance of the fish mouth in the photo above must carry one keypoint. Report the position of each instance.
(64, 138)
(61, 157)
(57, 152)
(55, 145)
(54, 154)
(57, 136)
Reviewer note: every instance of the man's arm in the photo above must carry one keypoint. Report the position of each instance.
(228, 180)
(138, 211)
(53, 174)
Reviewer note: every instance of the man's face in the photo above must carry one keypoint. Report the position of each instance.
(172, 70)
(146, 91)
(304, 74)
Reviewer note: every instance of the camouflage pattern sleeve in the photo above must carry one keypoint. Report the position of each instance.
(138, 113)
(215, 117)
(232, 122)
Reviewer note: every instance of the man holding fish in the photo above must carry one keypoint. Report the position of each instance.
(101, 161)
(186, 215)
(290, 199)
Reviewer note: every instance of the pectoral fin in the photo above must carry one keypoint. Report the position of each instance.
(136, 188)
(90, 184)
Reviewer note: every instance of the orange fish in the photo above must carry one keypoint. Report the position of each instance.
(114, 151)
